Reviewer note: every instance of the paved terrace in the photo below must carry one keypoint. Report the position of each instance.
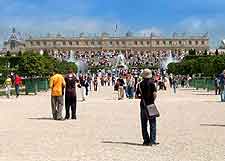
(191, 128)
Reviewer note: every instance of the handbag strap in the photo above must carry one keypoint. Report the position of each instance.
(139, 87)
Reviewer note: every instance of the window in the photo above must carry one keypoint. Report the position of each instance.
(135, 43)
(142, 43)
(110, 43)
(203, 42)
(31, 43)
(148, 43)
(64, 43)
(123, 42)
(196, 42)
(190, 42)
(70, 43)
(180, 42)
(164, 42)
(45, 43)
(54, 43)
(157, 42)
(77, 42)
(92, 43)
(38, 43)
(170, 42)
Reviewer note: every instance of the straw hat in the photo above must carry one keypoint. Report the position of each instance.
(147, 73)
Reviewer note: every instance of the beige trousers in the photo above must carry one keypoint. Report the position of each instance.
(120, 92)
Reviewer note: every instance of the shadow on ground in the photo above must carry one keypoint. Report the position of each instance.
(212, 125)
(186, 89)
(204, 94)
(212, 101)
(41, 118)
(124, 143)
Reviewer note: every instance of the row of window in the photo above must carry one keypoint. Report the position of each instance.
(71, 43)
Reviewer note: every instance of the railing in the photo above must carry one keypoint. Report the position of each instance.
(204, 83)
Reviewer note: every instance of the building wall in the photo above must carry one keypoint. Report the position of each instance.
(93, 44)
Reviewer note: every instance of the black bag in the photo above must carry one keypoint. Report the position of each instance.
(151, 110)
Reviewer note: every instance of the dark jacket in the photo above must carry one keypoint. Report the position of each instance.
(70, 80)
(147, 88)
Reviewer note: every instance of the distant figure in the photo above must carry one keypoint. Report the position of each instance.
(174, 84)
(183, 82)
(188, 81)
(18, 82)
(8, 85)
(222, 81)
(217, 85)
(121, 84)
(146, 91)
(57, 83)
(130, 86)
(70, 94)
(89, 79)
(113, 80)
(86, 84)
(171, 80)
(83, 88)
(95, 83)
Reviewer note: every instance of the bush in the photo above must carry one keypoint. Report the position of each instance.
(207, 65)
(30, 64)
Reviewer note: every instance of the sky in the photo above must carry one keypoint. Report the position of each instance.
(71, 17)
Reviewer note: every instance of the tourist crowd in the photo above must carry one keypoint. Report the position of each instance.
(109, 59)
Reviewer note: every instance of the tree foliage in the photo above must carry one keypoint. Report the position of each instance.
(33, 64)
(206, 65)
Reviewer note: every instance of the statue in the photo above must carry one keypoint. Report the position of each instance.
(120, 63)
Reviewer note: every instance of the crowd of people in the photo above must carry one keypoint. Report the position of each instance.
(108, 59)
(126, 84)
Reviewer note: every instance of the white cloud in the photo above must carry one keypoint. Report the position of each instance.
(215, 26)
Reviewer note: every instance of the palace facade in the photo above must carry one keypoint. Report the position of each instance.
(128, 43)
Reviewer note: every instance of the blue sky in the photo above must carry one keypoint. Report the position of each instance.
(70, 17)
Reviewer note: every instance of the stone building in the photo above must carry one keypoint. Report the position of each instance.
(105, 42)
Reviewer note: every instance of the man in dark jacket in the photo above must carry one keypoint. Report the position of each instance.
(146, 91)
(70, 94)
(222, 78)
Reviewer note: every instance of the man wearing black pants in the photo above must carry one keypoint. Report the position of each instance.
(70, 94)
(146, 91)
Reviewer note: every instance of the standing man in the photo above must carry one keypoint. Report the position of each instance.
(89, 78)
(86, 83)
(121, 84)
(70, 94)
(146, 91)
(113, 79)
(130, 86)
(174, 84)
(83, 88)
(222, 81)
(18, 82)
(57, 84)
(95, 83)
(217, 85)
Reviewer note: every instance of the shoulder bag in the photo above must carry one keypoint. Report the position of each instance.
(151, 110)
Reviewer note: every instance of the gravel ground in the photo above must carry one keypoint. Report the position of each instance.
(191, 128)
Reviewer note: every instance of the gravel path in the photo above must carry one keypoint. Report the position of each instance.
(191, 128)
